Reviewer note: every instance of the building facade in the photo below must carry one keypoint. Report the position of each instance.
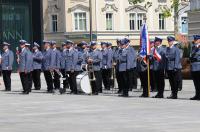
(194, 18)
(20, 19)
(111, 19)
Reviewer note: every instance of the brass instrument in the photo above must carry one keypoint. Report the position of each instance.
(90, 68)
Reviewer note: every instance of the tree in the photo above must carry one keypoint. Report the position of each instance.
(136, 2)
(176, 7)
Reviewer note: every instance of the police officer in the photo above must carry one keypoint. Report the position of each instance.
(173, 65)
(25, 62)
(159, 67)
(152, 78)
(110, 56)
(94, 59)
(80, 58)
(30, 65)
(116, 54)
(47, 65)
(131, 64)
(6, 65)
(142, 70)
(70, 66)
(62, 67)
(106, 65)
(56, 58)
(195, 66)
(37, 66)
(123, 65)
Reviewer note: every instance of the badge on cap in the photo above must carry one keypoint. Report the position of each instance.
(36, 44)
(5, 43)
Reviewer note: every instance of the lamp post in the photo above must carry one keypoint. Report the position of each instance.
(90, 8)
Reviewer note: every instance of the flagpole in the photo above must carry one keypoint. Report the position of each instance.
(148, 65)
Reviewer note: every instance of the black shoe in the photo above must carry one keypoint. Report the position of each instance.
(50, 91)
(122, 95)
(119, 91)
(37, 88)
(172, 97)
(25, 92)
(195, 98)
(62, 91)
(144, 96)
(158, 96)
(8, 90)
(107, 88)
(96, 93)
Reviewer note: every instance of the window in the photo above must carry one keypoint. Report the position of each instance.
(161, 22)
(140, 17)
(136, 20)
(54, 23)
(184, 23)
(132, 21)
(109, 21)
(80, 21)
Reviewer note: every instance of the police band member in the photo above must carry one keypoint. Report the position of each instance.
(25, 62)
(62, 67)
(131, 64)
(159, 67)
(70, 66)
(47, 66)
(56, 57)
(173, 65)
(7, 59)
(152, 83)
(142, 71)
(37, 66)
(94, 59)
(123, 65)
(106, 65)
(195, 66)
(116, 53)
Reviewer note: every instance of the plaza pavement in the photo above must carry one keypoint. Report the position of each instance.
(42, 112)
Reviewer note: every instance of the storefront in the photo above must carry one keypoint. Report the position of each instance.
(20, 19)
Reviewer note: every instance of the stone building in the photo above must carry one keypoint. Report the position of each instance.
(111, 19)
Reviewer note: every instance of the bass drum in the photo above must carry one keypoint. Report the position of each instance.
(83, 83)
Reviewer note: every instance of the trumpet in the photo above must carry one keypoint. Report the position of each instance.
(90, 69)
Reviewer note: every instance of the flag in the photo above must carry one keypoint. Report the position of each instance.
(144, 42)
(157, 55)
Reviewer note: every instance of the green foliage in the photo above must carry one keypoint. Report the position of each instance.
(166, 12)
(135, 2)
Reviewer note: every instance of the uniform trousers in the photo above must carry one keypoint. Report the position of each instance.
(173, 80)
(56, 79)
(123, 75)
(71, 77)
(196, 81)
(65, 82)
(36, 78)
(106, 75)
(159, 80)
(7, 79)
(25, 80)
(49, 80)
(144, 82)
